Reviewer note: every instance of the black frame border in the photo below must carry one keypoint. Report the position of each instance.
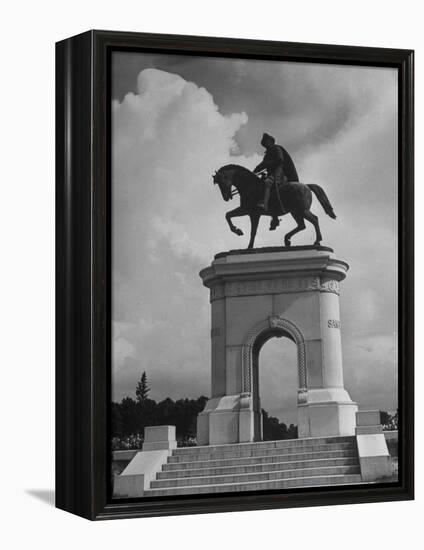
(83, 231)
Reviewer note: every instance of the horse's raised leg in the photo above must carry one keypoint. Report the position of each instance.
(275, 222)
(233, 213)
(314, 221)
(298, 218)
(254, 221)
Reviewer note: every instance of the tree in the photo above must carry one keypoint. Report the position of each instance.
(127, 421)
(142, 390)
(384, 418)
(273, 429)
(395, 420)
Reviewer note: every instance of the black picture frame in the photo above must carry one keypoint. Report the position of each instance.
(83, 232)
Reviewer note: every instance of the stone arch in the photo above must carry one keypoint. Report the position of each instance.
(272, 326)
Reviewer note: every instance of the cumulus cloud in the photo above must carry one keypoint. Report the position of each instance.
(168, 138)
(171, 133)
(122, 350)
(304, 104)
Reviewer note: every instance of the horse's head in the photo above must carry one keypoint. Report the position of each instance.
(224, 180)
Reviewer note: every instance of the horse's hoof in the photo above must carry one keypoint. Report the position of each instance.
(317, 243)
(287, 243)
(274, 224)
(238, 232)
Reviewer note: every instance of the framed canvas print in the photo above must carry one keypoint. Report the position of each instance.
(234, 274)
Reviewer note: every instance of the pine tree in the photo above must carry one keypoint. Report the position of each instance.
(142, 390)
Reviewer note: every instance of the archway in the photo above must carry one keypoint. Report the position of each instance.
(273, 326)
(275, 387)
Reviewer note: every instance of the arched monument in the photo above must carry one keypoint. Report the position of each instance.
(259, 294)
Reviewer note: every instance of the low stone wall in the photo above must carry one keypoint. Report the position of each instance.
(121, 459)
(127, 454)
(133, 471)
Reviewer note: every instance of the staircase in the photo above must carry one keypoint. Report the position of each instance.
(264, 465)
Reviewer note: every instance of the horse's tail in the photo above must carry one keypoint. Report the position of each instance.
(323, 199)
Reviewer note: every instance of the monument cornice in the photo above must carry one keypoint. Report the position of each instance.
(278, 271)
(267, 249)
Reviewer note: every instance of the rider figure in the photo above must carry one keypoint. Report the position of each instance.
(279, 168)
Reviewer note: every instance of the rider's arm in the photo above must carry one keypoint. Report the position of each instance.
(261, 166)
(267, 163)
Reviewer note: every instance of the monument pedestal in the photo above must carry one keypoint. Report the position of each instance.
(264, 293)
(327, 412)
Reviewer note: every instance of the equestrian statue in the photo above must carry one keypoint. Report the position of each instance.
(272, 189)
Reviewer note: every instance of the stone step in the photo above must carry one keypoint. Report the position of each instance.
(258, 485)
(245, 461)
(280, 443)
(245, 453)
(257, 467)
(257, 476)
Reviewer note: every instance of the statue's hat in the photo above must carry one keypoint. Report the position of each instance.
(267, 137)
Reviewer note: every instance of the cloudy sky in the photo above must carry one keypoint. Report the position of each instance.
(177, 119)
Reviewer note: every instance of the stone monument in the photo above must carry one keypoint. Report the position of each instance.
(256, 295)
(275, 292)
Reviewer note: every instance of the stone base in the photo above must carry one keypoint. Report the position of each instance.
(327, 412)
(228, 419)
(159, 438)
(231, 418)
(374, 457)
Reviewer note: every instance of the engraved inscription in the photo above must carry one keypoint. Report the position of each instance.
(272, 286)
(333, 323)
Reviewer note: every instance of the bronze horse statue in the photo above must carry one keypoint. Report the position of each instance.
(293, 198)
